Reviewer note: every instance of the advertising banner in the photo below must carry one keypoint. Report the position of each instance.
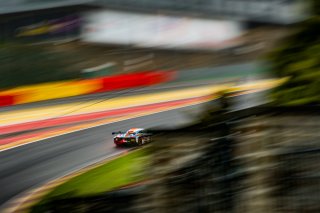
(158, 31)
(37, 28)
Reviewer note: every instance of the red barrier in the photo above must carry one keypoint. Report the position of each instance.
(131, 80)
(6, 100)
(103, 84)
(160, 77)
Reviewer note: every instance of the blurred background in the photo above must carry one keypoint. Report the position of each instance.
(45, 41)
(228, 88)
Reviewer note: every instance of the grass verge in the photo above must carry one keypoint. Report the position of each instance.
(112, 175)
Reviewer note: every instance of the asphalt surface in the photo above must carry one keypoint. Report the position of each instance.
(31, 165)
(34, 164)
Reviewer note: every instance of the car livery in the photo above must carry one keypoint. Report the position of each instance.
(134, 136)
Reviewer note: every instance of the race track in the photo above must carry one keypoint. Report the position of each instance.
(31, 165)
(28, 166)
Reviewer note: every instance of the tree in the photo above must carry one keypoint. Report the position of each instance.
(29, 64)
(299, 59)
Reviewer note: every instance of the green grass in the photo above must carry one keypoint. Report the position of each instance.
(113, 174)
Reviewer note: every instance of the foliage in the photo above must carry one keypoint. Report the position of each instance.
(23, 64)
(298, 58)
(116, 173)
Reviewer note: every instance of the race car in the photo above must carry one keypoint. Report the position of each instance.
(134, 136)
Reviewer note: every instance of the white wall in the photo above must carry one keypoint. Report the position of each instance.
(107, 26)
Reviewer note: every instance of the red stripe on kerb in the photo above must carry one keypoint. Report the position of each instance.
(90, 116)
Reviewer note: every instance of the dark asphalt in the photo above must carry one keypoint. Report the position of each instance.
(31, 165)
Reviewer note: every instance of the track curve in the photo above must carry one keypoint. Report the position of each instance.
(28, 166)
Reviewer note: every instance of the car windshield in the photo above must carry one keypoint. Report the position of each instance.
(131, 133)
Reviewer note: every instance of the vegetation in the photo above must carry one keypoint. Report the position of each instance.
(23, 64)
(298, 58)
(116, 173)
